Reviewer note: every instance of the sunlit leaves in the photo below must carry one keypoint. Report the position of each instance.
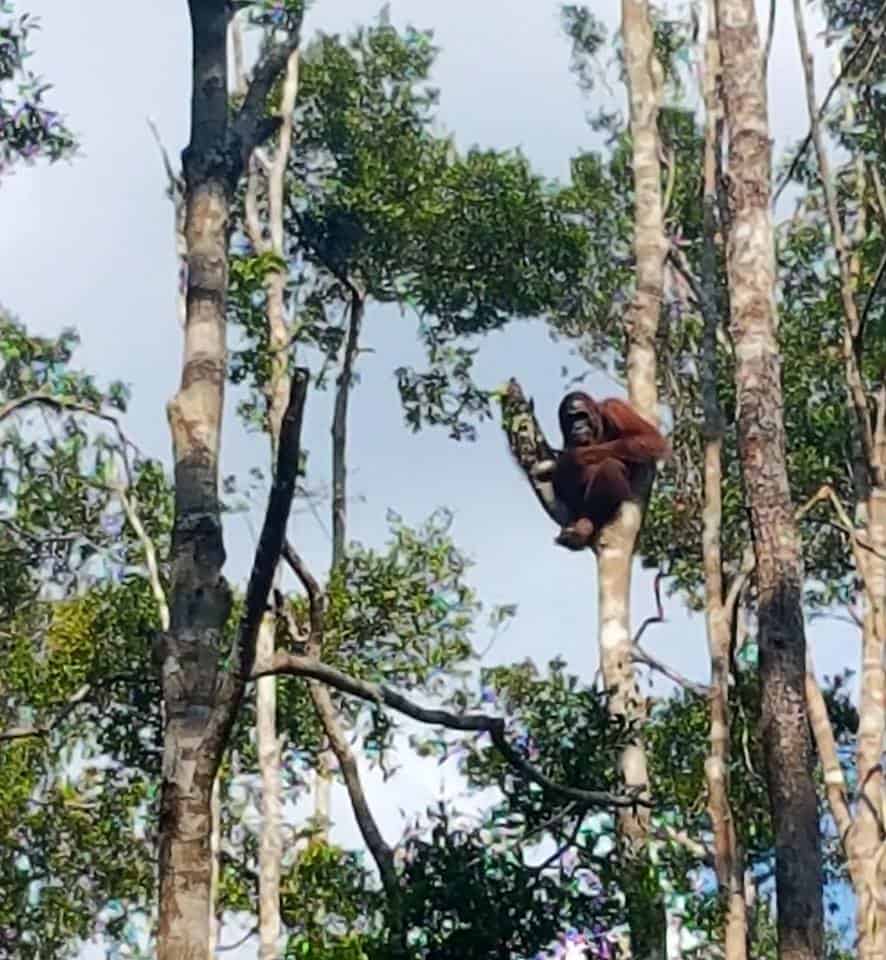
(28, 128)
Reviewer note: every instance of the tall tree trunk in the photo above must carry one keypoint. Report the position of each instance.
(728, 861)
(202, 693)
(278, 388)
(779, 569)
(864, 839)
(866, 842)
(616, 547)
(200, 598)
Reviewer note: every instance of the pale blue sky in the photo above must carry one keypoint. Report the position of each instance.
(90, 245)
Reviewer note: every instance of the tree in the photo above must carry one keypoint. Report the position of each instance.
(28, 128)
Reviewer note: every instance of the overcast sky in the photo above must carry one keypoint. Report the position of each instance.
(90, 245)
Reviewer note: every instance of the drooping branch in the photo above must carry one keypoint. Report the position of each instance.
(273, 534)
(295, 665)
(321, 698)
(531, 451)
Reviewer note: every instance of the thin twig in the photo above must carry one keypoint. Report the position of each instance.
(819, 114)
(659, 616)
(150, 550)
(639, 655)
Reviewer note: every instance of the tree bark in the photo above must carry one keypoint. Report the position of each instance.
(278, 388)
(201, 691)
(615, 549)
(728, 861)
(761, 439)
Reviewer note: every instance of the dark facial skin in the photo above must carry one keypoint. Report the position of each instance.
(579, 426)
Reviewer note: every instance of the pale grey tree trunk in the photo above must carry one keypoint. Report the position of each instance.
(864, 836)
(615, 549)
(728, 861)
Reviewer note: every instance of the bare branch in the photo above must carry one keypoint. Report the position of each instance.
(312, 589)
(273, 534)
(340, 429)
(639, 655)
(659, 616)
(682, 839)
(60, 404)
(838, 80)
(82, 695)
(44, 729)
(851, 322)
(294, 665)
(147, 543)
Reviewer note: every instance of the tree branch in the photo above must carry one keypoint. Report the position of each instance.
(81, 696)
(819, 114)
(150, 556)
(252, 126)
(294, 665)
(340, 429)
(530, 449)
(273, 534)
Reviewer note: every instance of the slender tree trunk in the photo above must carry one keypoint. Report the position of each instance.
(864, 839)
(867, 842)
(616, 547)
(779, 569)
(728, 862)
(278, 388)
(323, 772)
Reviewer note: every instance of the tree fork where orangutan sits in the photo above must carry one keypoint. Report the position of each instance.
(761, 439)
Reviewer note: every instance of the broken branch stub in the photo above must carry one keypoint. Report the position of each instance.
(529, 448)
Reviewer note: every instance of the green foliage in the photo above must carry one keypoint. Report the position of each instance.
(28, 128)
(380, 204)
(78, 621)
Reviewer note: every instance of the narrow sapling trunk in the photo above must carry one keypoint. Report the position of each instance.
(761, 438)
(728, 861)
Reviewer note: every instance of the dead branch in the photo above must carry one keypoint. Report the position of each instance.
(273, 534)
(639, 655)
(659, 616)
(530, 449)
(299, 666)
(81, 696)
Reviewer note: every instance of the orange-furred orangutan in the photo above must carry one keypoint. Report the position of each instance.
(606, 446)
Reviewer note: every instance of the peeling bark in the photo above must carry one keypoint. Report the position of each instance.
(201, 690)
(782, 641)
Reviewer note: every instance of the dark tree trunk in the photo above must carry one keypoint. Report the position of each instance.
(761, 437)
